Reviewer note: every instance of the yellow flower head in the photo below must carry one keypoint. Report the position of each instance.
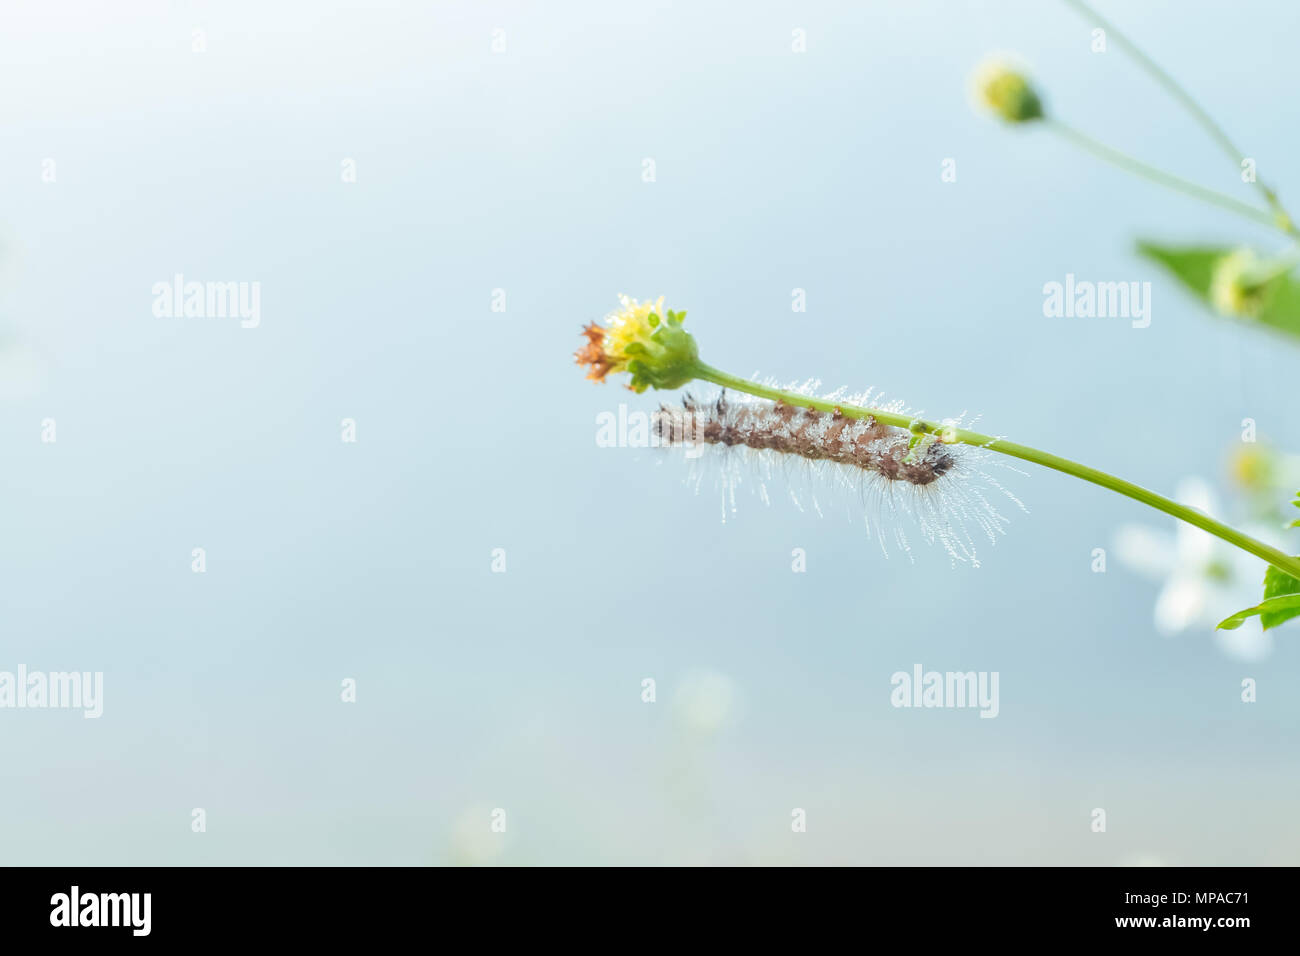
(631, 324)
(1001, 88)
(1241, 283)
(640, 338)
(1254, 467)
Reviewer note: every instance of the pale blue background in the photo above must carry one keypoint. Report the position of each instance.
(371, 561)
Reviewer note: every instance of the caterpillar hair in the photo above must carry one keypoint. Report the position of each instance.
(944, 487)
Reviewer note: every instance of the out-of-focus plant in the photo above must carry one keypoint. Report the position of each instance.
(1232, 280)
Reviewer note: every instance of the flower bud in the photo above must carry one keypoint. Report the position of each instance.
(1240, 283)
(640, 338)
(1006, 91)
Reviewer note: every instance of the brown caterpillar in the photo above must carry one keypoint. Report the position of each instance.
(941, 487)
(818, 436)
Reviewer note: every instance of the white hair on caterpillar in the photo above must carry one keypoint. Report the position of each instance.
(945, 490)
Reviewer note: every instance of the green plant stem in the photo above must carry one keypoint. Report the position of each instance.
(1169, 180)
(1188, 102)
(1282, 562)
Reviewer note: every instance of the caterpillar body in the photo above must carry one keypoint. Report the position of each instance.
(817, 436)
(944, 487)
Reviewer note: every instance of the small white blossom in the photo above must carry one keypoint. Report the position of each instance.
(1205, 578)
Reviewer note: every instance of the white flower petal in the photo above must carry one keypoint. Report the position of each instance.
(1195, 547)
(1181, 603)
(1196, 493)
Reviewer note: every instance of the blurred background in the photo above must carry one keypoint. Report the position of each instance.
(499, 157)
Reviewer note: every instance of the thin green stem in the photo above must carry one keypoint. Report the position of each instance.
(1169, 180)
(1273, 556)
(1171, 86)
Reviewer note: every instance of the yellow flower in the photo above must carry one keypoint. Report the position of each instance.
(1254, 467)
(640, 338)
(1005, 91)
(631, 324)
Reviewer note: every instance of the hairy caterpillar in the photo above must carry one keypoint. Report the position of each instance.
(943, 487)
(860, 442)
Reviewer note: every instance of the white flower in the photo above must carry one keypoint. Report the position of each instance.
(1205, 578)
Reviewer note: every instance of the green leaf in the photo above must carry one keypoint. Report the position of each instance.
(1278, 584)
(1281, 602)
(1285, 603)
(1193, 266)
